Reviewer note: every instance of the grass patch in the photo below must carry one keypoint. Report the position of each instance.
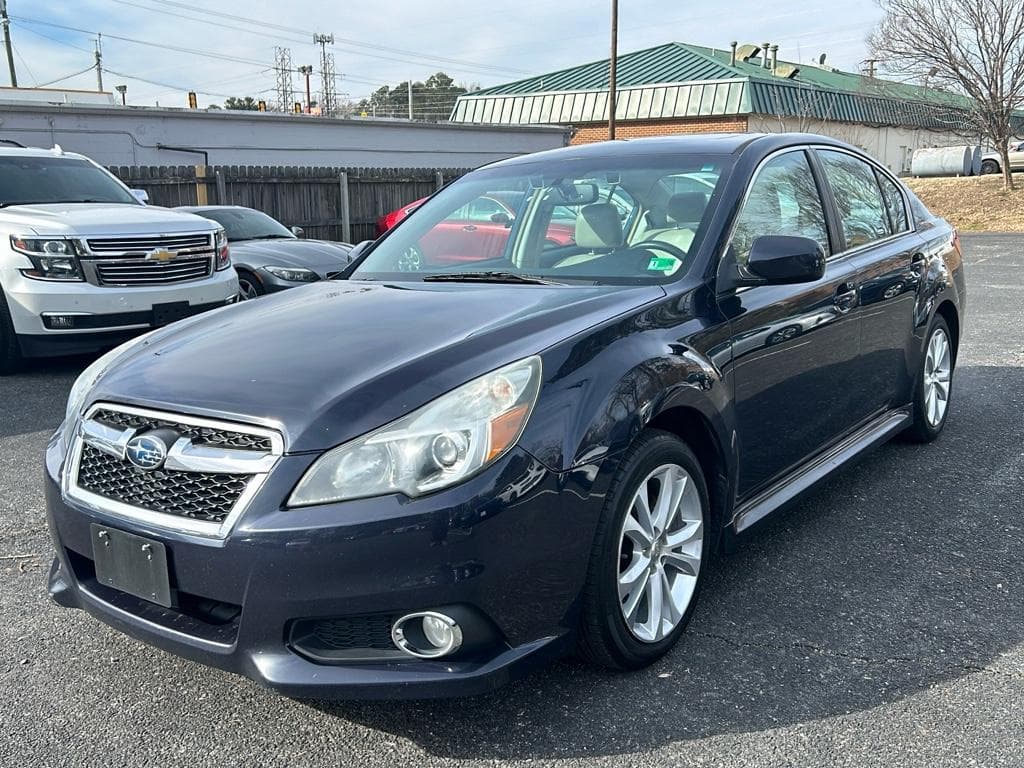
(974, 203)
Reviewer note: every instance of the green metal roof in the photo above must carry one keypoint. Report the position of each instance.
(815, 91)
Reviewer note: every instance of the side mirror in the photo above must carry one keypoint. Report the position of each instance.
(141, 195)
(298, 231)
(358, 249)
(501, 218)
(783, 260)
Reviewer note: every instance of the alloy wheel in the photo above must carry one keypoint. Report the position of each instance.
(246, 290)
(938, 374)
(660, 549)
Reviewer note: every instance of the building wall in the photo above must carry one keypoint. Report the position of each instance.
(133, 136)
(892, 146)
(635, 129)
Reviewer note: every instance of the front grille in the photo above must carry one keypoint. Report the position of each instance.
(186, 494)
(199, 435)
(143, 272)
(144, 244)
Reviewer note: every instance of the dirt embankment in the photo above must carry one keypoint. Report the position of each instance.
(976, 203)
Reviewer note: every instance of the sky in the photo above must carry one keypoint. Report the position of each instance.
(380, 42)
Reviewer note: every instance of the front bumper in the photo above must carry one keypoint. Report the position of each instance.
(511, 544)
(102, 316)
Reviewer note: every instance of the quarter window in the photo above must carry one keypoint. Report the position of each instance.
(862, 211)
(894, 204)
(783, 200)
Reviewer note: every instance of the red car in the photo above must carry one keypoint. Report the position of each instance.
(477, 231)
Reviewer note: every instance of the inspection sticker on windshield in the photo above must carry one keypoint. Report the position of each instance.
(667, 264)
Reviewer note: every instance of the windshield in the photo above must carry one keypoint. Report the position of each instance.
(25, 179)
(603, 220)
(246, 224)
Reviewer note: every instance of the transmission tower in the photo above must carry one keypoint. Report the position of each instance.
(285, 88)
(328, 96)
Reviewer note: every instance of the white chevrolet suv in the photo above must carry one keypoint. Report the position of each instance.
(85, 264)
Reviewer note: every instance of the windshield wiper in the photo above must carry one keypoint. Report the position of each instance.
(271, 236)
(488, 277)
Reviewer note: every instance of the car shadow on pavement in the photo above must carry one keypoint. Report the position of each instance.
(42, 387)
(899, 573)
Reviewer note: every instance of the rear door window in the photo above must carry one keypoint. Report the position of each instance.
(862, 210)
(894, 204)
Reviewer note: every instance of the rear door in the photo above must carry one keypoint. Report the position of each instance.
(877, 237)
(795, 347)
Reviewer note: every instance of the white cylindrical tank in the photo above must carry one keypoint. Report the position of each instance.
(943, 161)
(976, 161)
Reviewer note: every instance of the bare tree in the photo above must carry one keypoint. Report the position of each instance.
(971, 47)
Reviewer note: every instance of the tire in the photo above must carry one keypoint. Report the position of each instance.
(248, 286)
(989, 166)
(607, 637)
(928, 422)
(10, 352)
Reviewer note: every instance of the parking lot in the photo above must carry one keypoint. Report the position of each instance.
(879, 622)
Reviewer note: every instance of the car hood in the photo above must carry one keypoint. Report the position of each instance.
(87, 219)
(319, 255)
(333, 360)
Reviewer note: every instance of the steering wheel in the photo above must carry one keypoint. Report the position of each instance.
(411, 260)
(660, 245)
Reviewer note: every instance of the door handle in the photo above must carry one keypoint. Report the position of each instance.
(469, 228)
(845, 297)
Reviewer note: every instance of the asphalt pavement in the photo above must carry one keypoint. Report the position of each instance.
(881, 622)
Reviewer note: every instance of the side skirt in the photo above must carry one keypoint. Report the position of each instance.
(789, 488)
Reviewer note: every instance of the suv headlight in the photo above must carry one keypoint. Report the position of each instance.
(294, 274)
(437, 446)
(220, 244)
(53, 258)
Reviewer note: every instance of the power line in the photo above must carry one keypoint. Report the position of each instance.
(67, 77)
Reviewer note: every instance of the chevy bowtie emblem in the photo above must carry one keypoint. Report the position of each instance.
(160, 254)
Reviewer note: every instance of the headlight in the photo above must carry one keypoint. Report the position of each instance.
(52, 258)
(86, 381)
(437, 446)
(220, 244)
(294, 274)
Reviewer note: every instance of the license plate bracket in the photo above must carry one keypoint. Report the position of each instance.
(171, 312)
(132, 564)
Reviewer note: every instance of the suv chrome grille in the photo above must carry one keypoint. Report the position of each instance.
(205, 476)
(143, 244)
(186, 494)
(143, 272)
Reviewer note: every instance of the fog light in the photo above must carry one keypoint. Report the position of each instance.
(427, 635)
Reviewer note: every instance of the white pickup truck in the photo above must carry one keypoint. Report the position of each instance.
(85, 264)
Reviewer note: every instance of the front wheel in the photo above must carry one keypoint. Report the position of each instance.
(249, 287)
(10, 354)
(934, 386)
(989, 166)
(646, 566)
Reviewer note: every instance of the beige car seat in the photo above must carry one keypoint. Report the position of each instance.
(685, 210)
(598, 228)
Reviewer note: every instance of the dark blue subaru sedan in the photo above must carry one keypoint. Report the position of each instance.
(507, 433)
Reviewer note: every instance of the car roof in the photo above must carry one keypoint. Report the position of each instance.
(703, 143)
(7, 150)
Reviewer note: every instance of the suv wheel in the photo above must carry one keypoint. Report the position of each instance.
(10, 354)
(934, 386)
(989, 166)
(649, 556)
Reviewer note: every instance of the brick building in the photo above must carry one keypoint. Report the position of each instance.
(679, 88)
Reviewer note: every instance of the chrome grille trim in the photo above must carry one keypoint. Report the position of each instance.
(122, 272)
(110, 439)
(142, 244)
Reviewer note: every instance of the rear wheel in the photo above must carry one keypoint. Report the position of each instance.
(934, 387)
(989, 166)
(10, 354)
(646, 567)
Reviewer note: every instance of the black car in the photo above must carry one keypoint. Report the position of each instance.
(429, 481)
(270, 257)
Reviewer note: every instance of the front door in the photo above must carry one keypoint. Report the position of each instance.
(795, 348)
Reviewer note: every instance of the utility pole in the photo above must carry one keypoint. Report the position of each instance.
(613, 63)
(99, 63)
(410, 99)
(307, 70)
(6, 23)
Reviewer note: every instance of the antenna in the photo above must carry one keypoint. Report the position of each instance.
(285, 87)
(328, 94)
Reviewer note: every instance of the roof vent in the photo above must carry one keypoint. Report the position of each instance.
(788, 71)
(821, 59)
(764, 56)
(747, 52)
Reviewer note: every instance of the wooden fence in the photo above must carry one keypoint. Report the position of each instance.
(328, 203)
